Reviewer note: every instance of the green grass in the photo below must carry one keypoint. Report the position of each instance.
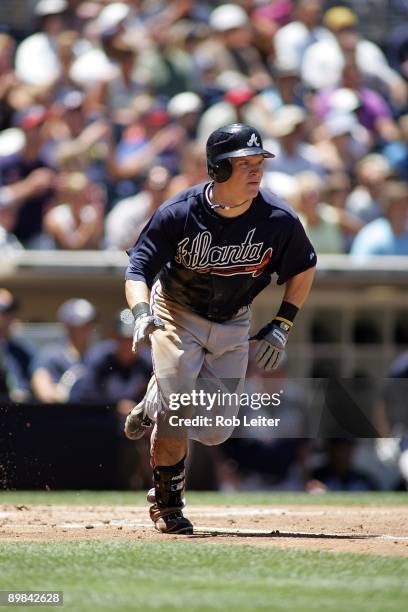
(197, 498)
(198, 575)
(179, 575)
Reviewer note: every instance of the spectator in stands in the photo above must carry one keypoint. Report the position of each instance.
(116, 94)
(92, 67)
(293, 153)
(193, 169)
(340, 142)
(372, 173)
(150, 139)
(67, 46)
(113, 374)
(324, 60)
(337, 189)
(239, 104)
(165, 62)
(15, 353)
(287, 85)
(56, 367)
(9, 243)
(79, 137)
(185, 108)
(70, 112)
(397, 152)
(129, 216)
(397, 48)
(40, 190)
(325, 225)
(36, 59)
(77, 220)
(387, 235)
(233, 46)
(8, 78)
(292, 40)
(367, 105)
(338, 473)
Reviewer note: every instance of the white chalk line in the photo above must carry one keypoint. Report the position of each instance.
(219, 531)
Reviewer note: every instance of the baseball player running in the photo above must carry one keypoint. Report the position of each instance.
(192, 275)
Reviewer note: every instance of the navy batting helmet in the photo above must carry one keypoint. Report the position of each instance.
(235, 140)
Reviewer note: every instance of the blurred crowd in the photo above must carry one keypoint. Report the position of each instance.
(105, 108)
(75, 365)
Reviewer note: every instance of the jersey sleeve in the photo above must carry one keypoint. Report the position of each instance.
(297, 254)
(155, 247)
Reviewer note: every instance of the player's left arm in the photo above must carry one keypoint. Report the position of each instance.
(273, 337)
(298, 287)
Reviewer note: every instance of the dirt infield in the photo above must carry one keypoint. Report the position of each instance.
(381, 530)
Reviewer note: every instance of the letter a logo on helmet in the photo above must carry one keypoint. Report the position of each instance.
(234, 140)
(253, 141)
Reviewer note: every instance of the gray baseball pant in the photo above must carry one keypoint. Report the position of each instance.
(189, 349)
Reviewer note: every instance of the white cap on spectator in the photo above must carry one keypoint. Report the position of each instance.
(76, 312)
(50, 7)
(92, 66)
(286, 119)
(12, 142)
(340, 123)
(228, 16)
(284, 185)
(73, 99)
(230, 79)
(344, 100)
(111, 17)
(285, 66)
(184, 103)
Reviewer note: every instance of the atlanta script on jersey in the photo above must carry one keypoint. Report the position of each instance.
(204, 257)
(215, 265)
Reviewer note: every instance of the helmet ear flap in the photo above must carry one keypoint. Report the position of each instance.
(212, 170)
(220, 172)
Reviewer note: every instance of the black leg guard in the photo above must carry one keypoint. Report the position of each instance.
(169, 482)
(166, 512)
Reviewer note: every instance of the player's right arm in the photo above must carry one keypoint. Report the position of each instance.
(155, 247)
(136, 292)
(138, 298)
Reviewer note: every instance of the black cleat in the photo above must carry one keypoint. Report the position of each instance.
(170, 520)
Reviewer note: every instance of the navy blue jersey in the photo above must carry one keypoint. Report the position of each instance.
(214, 265)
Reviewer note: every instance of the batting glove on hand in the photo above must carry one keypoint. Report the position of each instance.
(145, 324)
(271, 341)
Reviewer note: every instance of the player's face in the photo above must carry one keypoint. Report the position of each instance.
(246, 175)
